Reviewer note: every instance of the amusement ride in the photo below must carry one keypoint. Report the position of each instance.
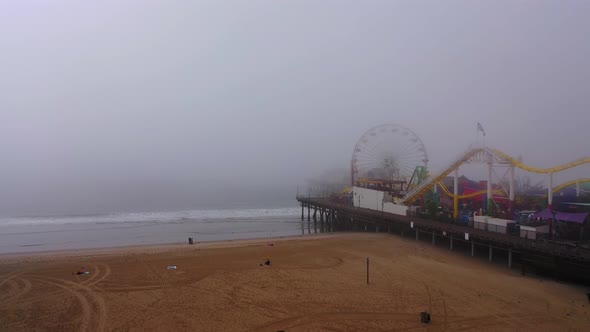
(389, 156)
(392, 158)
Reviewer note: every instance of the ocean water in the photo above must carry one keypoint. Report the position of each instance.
(30, 234)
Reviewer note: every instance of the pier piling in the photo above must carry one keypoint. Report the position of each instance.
(302, 207)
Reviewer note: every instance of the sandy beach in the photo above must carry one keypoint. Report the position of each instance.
(312, 283)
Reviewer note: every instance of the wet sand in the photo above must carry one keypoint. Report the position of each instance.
(313, 283)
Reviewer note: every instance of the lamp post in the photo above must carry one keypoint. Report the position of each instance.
(552, 225)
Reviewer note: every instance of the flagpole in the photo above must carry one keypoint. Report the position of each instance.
(480, 128)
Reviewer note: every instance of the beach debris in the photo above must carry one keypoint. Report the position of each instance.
(425, 317)
(270, 244)
(82, 271)
(171, 267)
(267, 262)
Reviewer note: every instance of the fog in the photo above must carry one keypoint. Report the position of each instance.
(147, 105)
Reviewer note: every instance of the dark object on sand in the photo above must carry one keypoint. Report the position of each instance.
(367, 270)
(267, 262)
(424, 317)
(82, 271)
(190, 240)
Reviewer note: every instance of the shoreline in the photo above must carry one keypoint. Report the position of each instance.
(157, 248)
(81, 236)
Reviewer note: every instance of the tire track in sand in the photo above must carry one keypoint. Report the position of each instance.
(7, 291)
(104, 275)
(93, 307)
(18, 290)
(94, 275)
(14, 289)
(8, 277)
(125, 288)
(101, 309)
(84, 304)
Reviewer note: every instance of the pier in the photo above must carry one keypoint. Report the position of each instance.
(551, 258)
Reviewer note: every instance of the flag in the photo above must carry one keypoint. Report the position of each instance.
(480, 128)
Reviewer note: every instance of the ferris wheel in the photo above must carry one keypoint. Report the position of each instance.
(387, 152)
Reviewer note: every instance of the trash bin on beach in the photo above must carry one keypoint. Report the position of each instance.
(425, 317)
(190, 240)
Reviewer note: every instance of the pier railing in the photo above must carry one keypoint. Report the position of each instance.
(505, 240)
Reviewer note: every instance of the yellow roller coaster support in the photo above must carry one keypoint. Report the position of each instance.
(441, 176)
(456, 198)
(470, 195)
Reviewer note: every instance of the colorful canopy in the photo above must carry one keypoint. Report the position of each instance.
(563, 216)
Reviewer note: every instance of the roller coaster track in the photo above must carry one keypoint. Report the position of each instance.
(517, 163)
(429, 183)
(491, 155)
(570, 183)
(501, 192)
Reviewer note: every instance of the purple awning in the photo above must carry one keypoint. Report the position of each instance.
(563, 216)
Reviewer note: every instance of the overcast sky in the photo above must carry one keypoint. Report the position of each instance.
(114, 105)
